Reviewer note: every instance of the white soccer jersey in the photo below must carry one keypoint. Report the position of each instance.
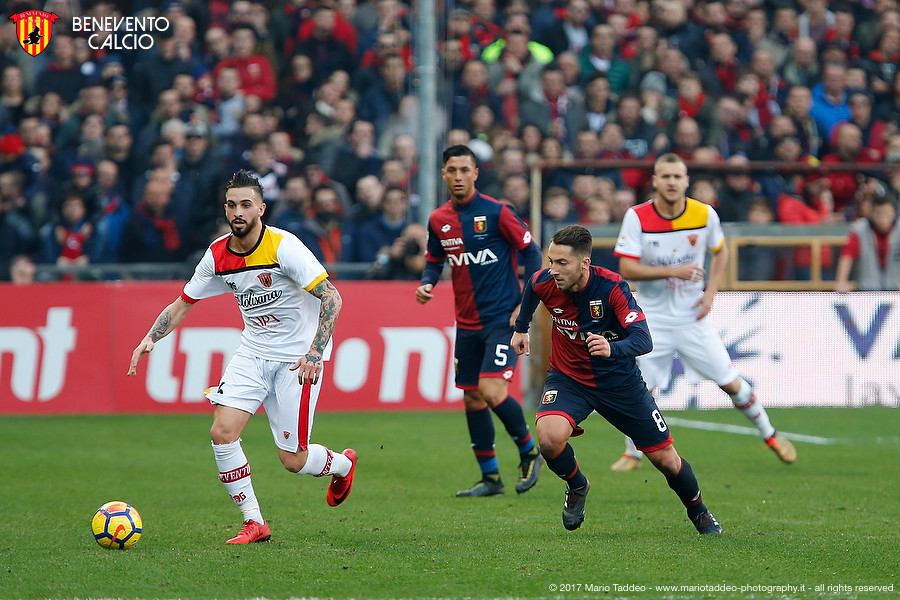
(654, 240)
(271, 284)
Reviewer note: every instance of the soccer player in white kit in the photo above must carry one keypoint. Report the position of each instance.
(289, 308)
(662, 245)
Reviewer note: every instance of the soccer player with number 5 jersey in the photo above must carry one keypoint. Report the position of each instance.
(480, 238)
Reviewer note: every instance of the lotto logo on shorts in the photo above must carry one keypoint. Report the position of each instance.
(596, 309)
(508, 374)
(549, 397)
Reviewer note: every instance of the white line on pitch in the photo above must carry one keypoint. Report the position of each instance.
(798, 437)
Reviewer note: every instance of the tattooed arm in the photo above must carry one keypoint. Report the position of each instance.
(310, 366)
(165, 323)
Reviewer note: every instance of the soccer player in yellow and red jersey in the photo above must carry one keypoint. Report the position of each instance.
(662, 245)
(289, 308)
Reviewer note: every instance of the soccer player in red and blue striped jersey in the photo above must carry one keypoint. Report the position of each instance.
(481, 239)
(598, 329)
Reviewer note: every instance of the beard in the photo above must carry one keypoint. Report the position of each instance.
(248, 226)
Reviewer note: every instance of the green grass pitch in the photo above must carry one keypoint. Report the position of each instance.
(831, 520)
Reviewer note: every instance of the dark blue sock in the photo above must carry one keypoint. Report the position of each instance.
(685, 485)
(566, 468)
(481, 432)
(510, 414)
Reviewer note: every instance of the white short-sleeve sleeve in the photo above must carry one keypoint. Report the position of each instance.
(629, 242)
(715, 233)
(205, 283)
(299, 263)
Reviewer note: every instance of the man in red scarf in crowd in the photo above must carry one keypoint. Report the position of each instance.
(151, 233)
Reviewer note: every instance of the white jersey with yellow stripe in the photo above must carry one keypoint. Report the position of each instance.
(271, 284)
(654, 240)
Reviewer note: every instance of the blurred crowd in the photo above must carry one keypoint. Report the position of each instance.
(111, 156)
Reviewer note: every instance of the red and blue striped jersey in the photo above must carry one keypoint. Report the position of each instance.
(605, 306)
(479, 239)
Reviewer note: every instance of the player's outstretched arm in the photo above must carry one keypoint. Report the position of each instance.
(165, 323)
(310, 365)
(525, 311)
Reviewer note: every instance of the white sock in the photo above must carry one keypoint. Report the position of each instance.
(320, 461)
(234, 472)
(745, 401)
(631, 450)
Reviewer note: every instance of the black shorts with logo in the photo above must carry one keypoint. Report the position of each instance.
(632, 410)
(484, 353)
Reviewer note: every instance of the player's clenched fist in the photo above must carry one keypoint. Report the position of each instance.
(423, 293)
(597, 345)
(521, 343)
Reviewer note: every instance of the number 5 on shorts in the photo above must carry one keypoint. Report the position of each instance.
(501, 353)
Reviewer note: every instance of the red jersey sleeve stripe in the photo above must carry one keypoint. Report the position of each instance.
(623, 310)
(626, 255)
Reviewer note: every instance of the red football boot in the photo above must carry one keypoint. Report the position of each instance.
(252, 532)
(340, 487)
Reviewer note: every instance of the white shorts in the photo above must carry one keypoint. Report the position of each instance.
(250, 382)
(698, 346)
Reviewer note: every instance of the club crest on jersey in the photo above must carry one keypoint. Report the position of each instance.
(480, 224)
(596, 309)
(265, 279)
(286, 434)
(693, 239)
(34, 29)
(549, 397)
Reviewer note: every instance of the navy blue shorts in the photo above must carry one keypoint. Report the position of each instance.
(632, 411)
(483, 353)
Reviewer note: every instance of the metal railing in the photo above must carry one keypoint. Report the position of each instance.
(160, 271)
(741, 236)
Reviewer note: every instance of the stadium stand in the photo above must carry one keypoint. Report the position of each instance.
(110, 159)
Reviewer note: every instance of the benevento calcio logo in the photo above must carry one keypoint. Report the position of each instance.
(34, 29)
